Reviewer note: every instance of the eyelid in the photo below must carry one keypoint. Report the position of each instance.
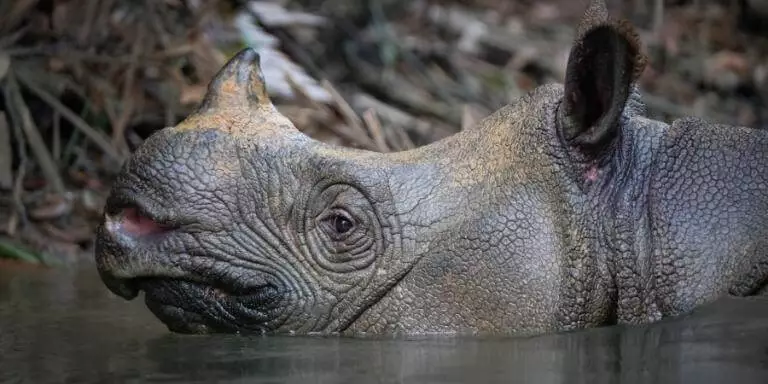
(341, 212)
(326, 220)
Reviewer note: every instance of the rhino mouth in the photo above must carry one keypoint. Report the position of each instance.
(187, 306)
(188, 299)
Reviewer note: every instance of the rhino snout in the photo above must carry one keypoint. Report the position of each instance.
(135, 253)
(125, 228)
(158, 238)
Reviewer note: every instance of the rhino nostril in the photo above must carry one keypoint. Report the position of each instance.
(134, 222)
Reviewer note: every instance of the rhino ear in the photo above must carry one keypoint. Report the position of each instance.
(604, 62)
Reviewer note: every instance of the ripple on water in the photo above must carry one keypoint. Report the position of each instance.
(64, 326)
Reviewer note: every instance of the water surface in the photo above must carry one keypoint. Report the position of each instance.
(65, 327)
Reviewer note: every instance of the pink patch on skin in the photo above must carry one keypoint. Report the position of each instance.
(592, 173)
(136, 224)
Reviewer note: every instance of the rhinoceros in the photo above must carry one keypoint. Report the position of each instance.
(567, 209)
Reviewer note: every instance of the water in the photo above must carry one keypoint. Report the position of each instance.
(64, 327)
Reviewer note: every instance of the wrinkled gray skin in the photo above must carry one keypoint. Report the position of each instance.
(565, 210)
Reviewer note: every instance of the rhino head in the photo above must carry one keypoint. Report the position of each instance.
(564, 210)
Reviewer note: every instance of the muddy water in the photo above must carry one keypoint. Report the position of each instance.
(64, 327)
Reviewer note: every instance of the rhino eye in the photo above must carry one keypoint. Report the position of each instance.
(341, 224)
(338, 224)
(343, 231)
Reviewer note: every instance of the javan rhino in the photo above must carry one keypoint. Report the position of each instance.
(567, 209)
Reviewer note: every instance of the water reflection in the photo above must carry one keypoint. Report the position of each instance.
(66, 328)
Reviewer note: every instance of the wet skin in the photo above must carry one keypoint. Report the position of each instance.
(567, 209)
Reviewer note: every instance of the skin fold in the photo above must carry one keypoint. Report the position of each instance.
(564, 210)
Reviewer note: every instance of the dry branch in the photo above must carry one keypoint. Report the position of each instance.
(32, 134)
(6, 160)
(95, 136)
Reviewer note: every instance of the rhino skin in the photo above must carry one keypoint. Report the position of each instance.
(565, 210)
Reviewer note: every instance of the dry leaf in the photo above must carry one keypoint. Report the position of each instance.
(275, 65)
(275, 15)
(726, 69)
(54, 207)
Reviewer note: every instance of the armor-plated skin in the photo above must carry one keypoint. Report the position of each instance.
(567, 209)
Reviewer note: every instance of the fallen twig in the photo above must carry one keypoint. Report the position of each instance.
(355, 123)
(19, 211)
(406, 142)
(118, 128)
(95, 136)
(6, 166)
(403, 94)
(12, 17)
(405, 122)
(32, 134)
(90, 13)
(56, 136)
(374, 126)
(341, 130)
(10, 39)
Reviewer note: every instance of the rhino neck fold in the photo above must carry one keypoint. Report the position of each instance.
(441, 185)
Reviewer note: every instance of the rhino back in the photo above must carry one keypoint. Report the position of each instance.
(708, 208)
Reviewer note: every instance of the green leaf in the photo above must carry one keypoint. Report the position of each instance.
(16, 252)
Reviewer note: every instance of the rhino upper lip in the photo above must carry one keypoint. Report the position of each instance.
(121, 206)
(124, 203)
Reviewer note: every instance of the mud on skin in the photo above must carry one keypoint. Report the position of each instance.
(566, 209)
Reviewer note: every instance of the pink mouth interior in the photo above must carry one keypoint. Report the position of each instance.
(136, 224)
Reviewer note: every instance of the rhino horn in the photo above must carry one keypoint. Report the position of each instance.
(239, 84)
(236, 95)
